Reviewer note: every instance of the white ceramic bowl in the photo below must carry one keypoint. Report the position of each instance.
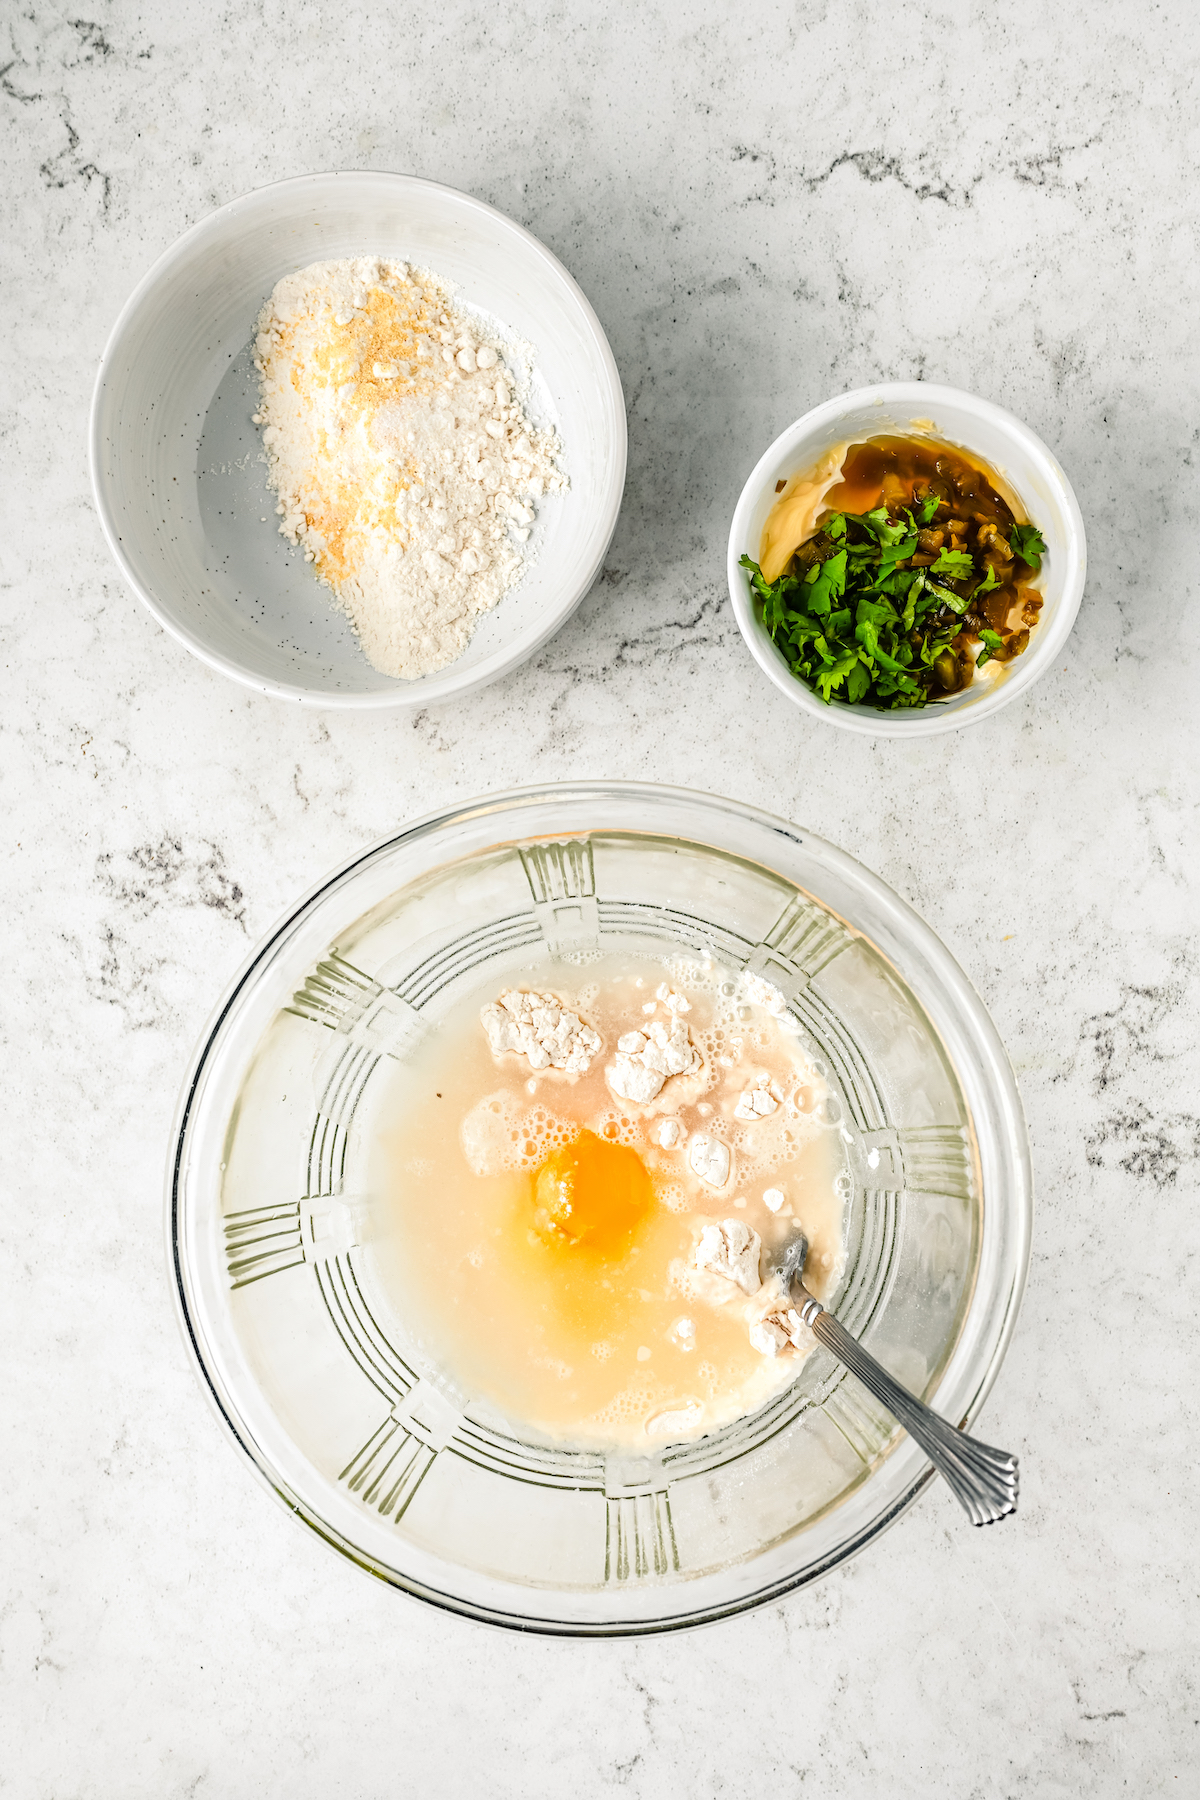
(179, 482)
(989, 432)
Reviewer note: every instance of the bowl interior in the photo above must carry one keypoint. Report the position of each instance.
(178, 466)
(277, 1233)
(1028, 472)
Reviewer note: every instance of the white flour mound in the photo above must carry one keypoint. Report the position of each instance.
(401, 453)
(539, 1027)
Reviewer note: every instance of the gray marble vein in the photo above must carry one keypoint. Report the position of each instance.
(766, 203)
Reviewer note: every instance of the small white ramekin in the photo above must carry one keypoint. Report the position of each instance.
(1027, 467)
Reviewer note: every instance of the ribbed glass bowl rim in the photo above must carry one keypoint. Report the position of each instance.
(907, 933)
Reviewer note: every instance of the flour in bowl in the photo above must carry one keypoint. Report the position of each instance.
(399, 447)
(599, 1268)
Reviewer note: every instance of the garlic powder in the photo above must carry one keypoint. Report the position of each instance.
(404, 462)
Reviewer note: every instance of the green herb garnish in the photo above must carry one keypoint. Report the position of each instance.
(958, 563)
(898, 606)
(1029, 544)
(991, 641)
(861, 623)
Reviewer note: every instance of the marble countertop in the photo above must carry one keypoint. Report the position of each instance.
(765, 204)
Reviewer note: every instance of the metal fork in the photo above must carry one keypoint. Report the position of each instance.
(984, 1480)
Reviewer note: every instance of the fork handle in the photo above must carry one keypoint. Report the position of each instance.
(982, 1479)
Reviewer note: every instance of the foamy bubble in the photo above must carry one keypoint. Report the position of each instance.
(672, 1196)
(629, 1405)
(498, 1137)
(618, 1128)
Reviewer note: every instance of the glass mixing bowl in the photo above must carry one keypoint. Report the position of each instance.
(271, 1221)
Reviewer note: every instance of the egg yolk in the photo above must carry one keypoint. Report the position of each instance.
(591, 1195)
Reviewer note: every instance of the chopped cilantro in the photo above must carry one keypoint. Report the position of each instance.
(857, 621)
(957, 563)
(1029, 544)
(956, 602)
(991, 641)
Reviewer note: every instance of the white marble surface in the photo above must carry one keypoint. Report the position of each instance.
(765, 203)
